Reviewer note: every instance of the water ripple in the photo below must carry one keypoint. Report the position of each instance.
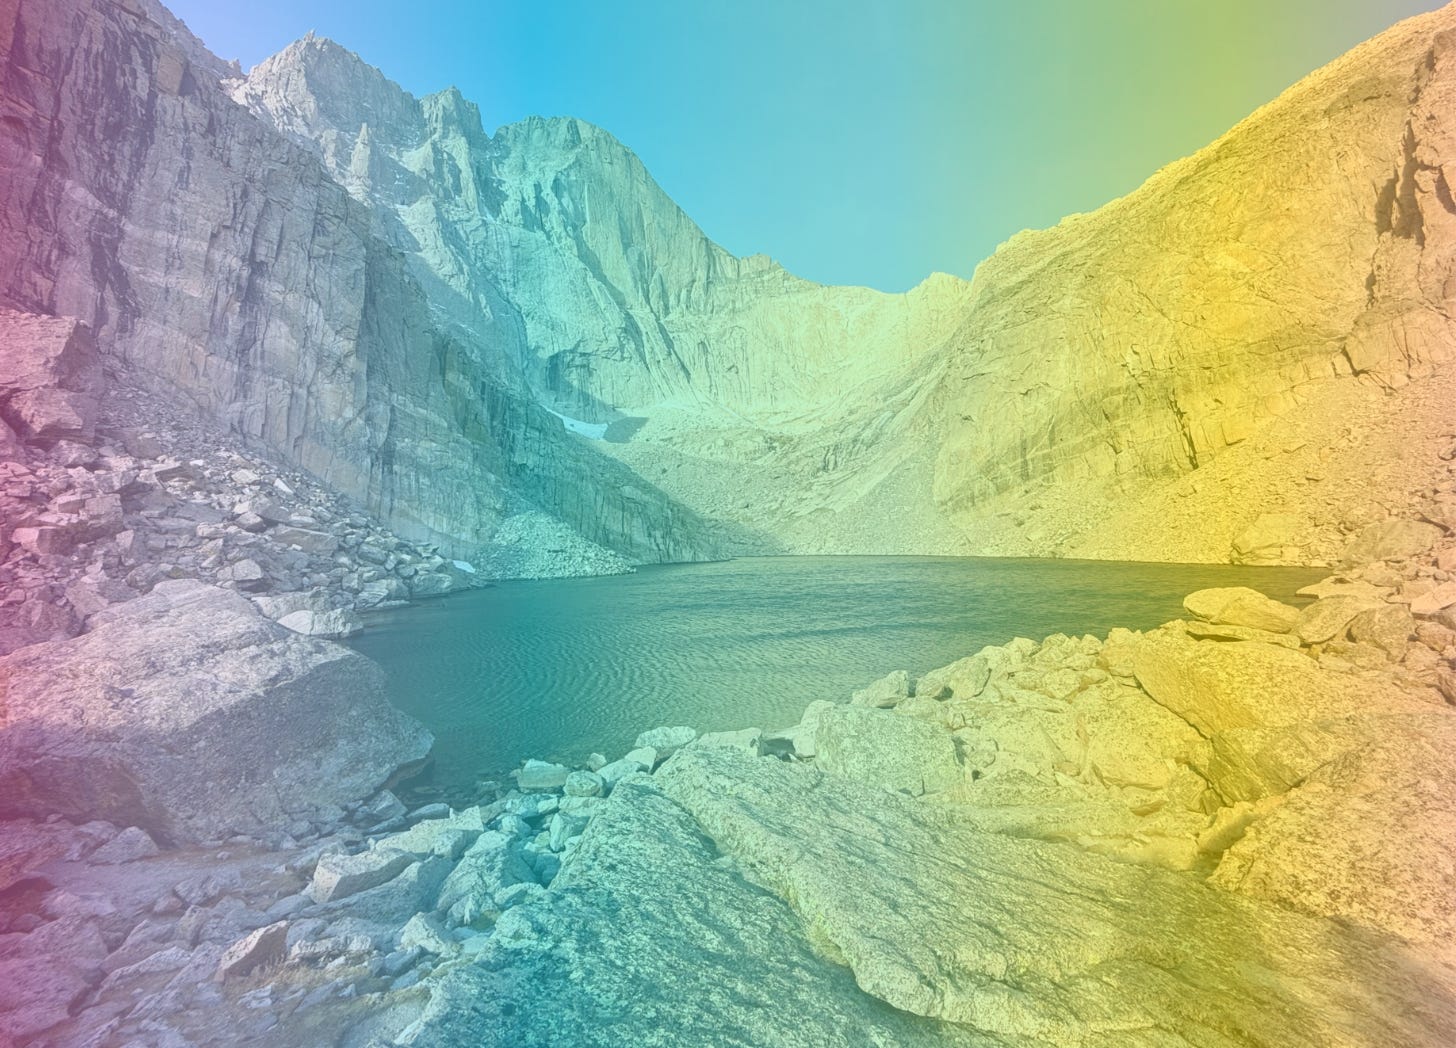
(559, 669)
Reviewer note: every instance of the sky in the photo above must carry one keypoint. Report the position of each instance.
(855, 142)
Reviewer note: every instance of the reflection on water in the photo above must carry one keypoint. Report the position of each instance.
(561, 668)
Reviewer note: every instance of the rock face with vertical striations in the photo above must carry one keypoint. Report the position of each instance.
(216, 259)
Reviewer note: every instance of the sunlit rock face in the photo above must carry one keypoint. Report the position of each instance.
(1314, 239)
(1132, 344)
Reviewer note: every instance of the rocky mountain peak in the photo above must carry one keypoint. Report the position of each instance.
(315, 85)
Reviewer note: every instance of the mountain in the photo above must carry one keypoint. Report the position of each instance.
(466, 330)
(217, 260)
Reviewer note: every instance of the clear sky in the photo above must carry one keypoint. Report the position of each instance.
(856, 142)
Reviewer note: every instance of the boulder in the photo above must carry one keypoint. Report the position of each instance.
(617, 770)
(1218, 686)
(337, 876)
(1389, 628)
(492, 863)
(1438, 599)
(797, 740)
(189, 714)
(433, 584)
(317, 542)
(1329, 618)
(963, 679)
(130, 845)
(666, 741)
(334, 625)
(584, 784)
(45, 975)
(1241, 606)
(1219, 631)
(258, 949)
(438, 836)
(1390, 540)
(749, 740)
(884, 749)
(414, 890)
(50, 377)
(426, 932)
(890, 690)
(1369, 837)
(542, 775)
(1025, 941)
(1267, 539)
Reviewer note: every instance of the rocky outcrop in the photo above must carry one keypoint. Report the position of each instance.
(50, 377)
(189, 714)
(1203, 302)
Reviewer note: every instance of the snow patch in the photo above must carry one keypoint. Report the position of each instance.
(590, 430)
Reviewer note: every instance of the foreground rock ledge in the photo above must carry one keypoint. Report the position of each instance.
(728, 897)
(188, 713)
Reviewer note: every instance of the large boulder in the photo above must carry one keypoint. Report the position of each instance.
(1369, 837)
(1329, 617)
(886, 749)
(50, 376)
(188, 713)
(1391, 540)
(1241, 606)
(649, 938)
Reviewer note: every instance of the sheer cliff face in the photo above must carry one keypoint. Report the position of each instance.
(218, 258)
(553, 235)
(1314, 239)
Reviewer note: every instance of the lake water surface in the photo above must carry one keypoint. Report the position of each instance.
(560, 668)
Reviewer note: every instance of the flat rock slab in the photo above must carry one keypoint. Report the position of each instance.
(1369, 837)
(1036, 943)
(649, 938)
(188, 713)
(1221, 685)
